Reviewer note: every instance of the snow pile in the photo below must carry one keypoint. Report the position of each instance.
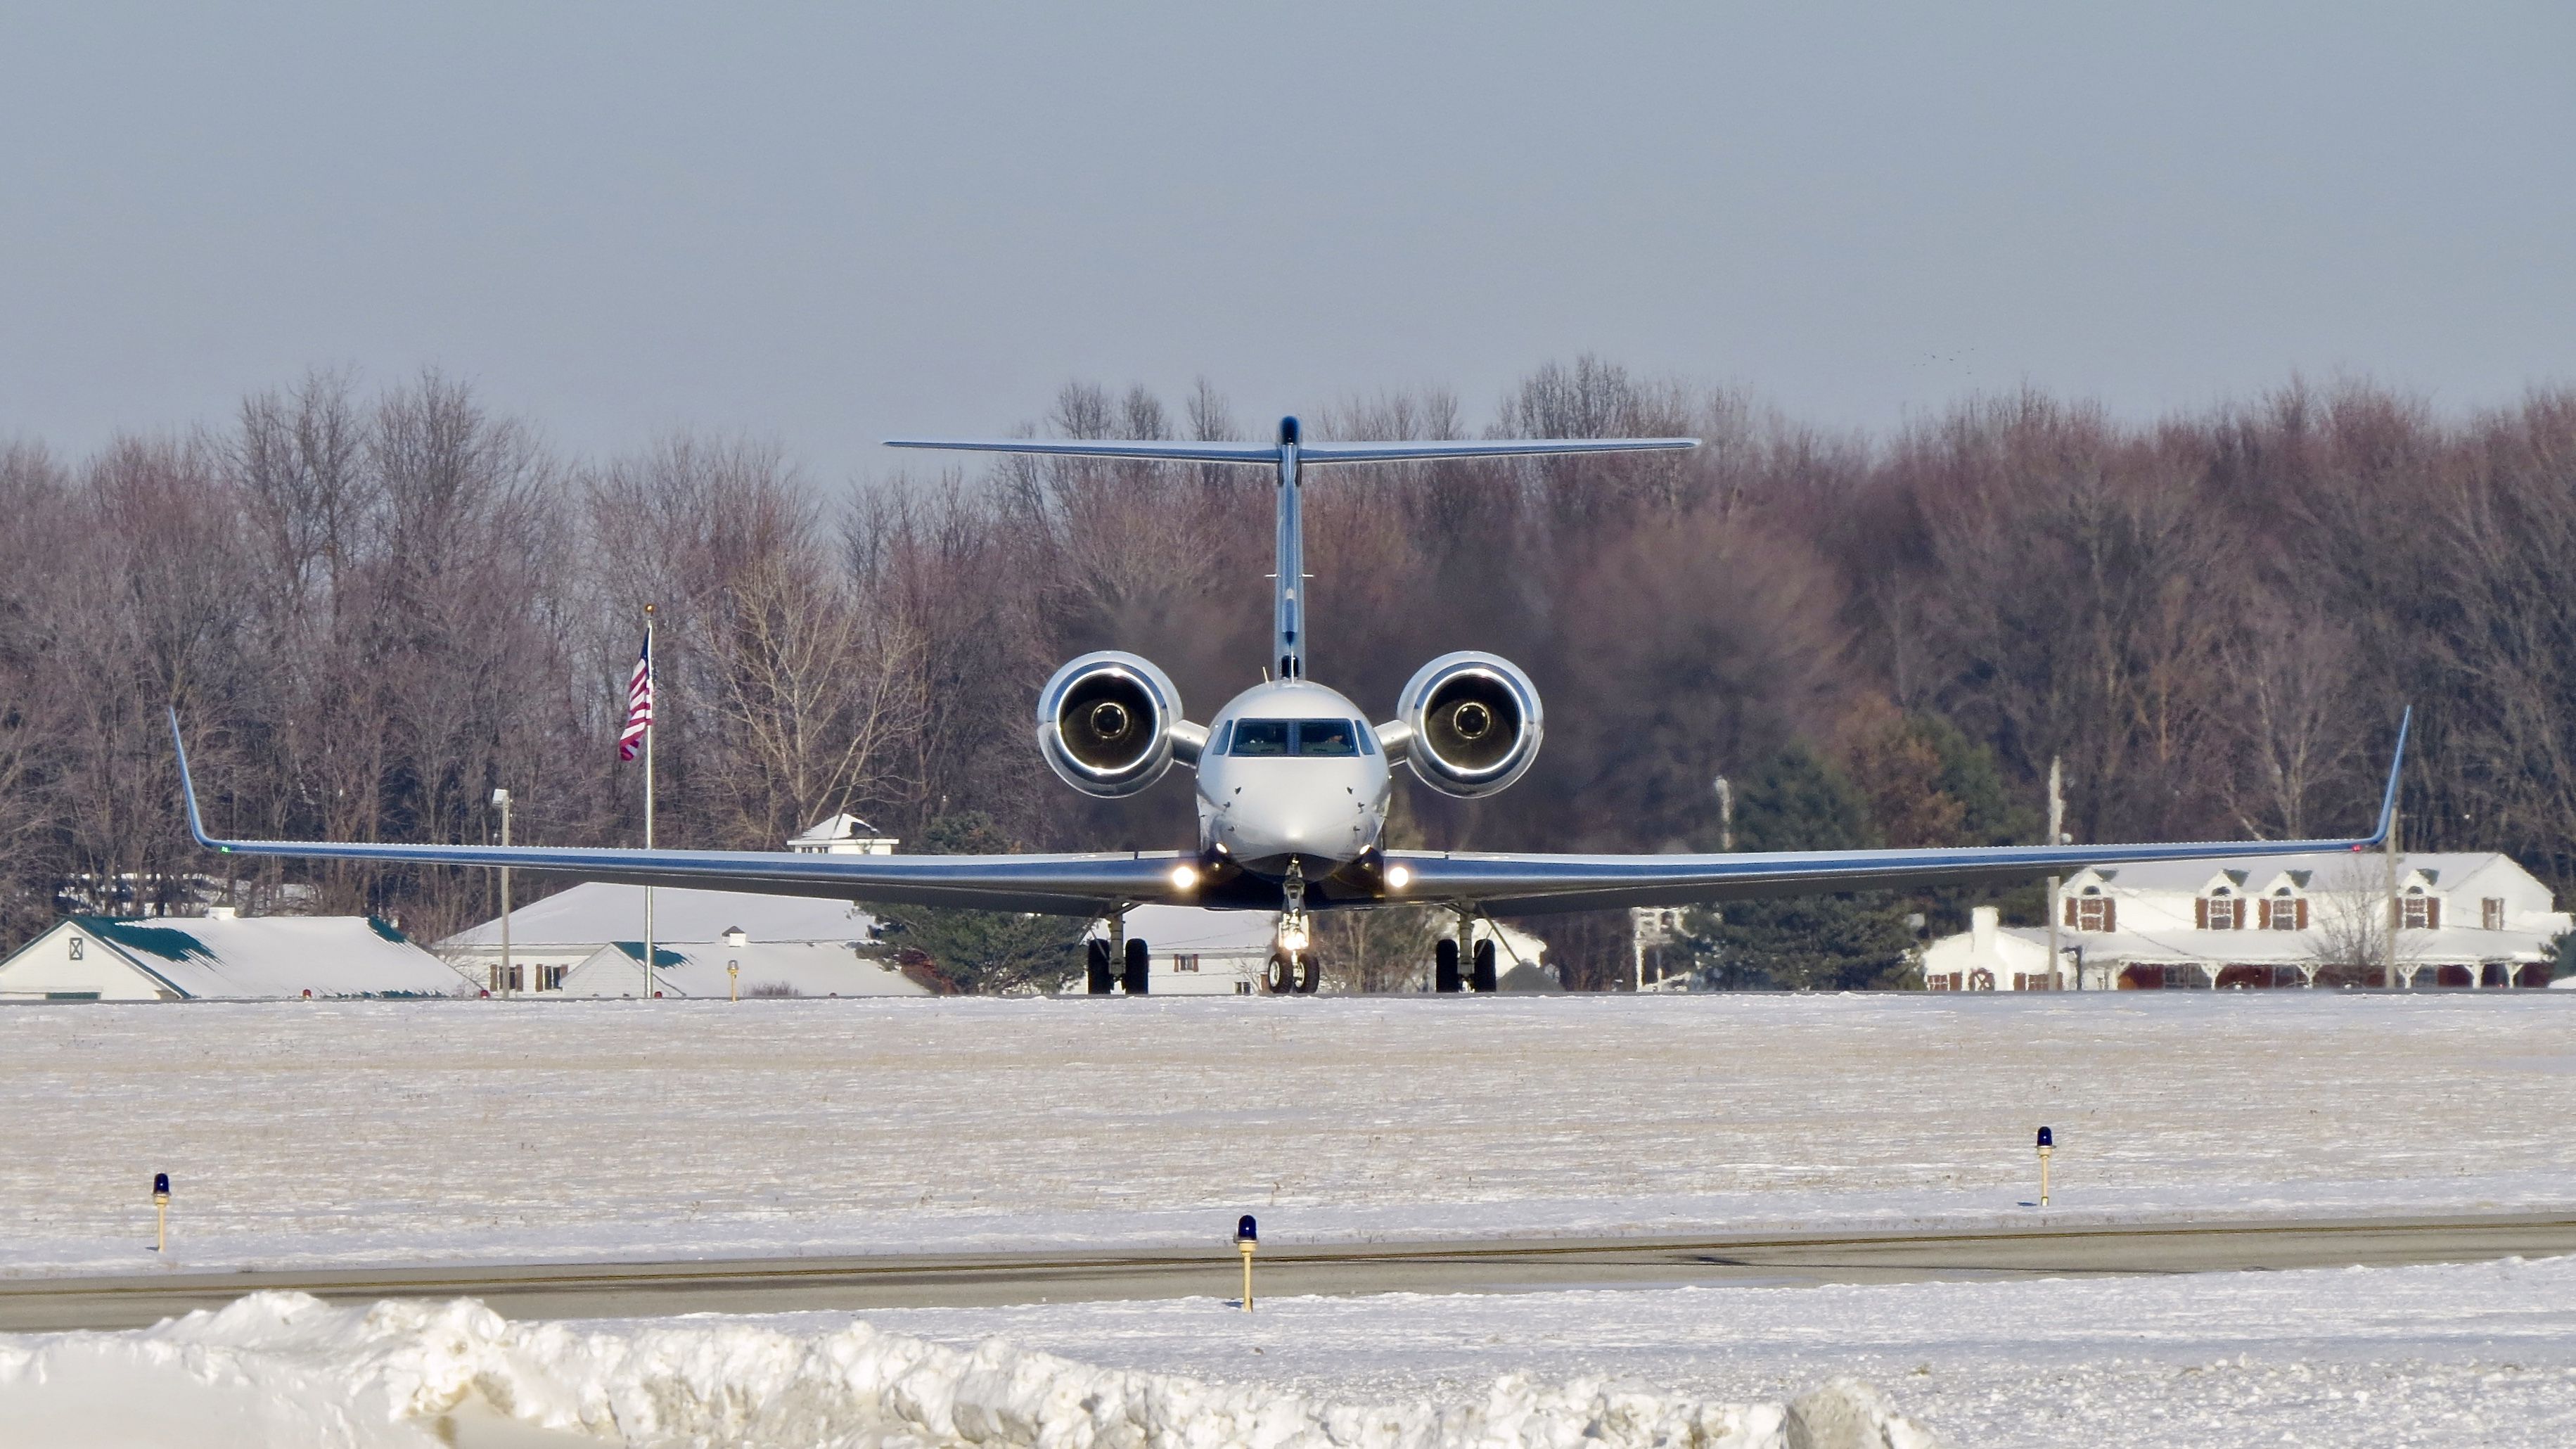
(286, 1368)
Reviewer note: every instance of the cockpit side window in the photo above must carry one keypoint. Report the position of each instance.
(1368, 737)
(1326, 739)
(1260, 737)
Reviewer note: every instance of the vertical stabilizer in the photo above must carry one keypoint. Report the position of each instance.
(1288, 591)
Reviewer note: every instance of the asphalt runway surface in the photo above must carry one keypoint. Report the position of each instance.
(1502, 1265)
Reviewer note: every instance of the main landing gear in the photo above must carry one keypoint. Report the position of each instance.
(1102, 979)
(1480, 974)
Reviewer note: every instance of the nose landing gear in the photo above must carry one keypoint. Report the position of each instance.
(1293, 967)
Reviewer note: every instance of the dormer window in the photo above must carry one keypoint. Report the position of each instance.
(2283, 912)
(2220, 911)
(2092, 911)
(2418, 911)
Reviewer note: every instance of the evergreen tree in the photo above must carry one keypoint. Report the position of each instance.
(986, 952)
(1796, 801)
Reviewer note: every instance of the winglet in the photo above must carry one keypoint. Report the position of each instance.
(2388, 801)
(188, 788)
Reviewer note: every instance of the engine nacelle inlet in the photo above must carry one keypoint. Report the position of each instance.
(1106, 723)
(1472, 723)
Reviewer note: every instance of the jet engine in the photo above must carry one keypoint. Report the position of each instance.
(1108, 724)
(1472, 723)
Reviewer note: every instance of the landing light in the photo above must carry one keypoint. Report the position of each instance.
(1397, 877)
(1184, 877)
(1293, 939)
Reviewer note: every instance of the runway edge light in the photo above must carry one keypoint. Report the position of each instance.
(1247, 1240)
(161, 1212)
(2047, 1144)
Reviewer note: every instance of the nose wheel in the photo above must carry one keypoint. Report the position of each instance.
(1293, 973)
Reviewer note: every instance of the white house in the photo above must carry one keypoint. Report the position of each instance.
(843, 834)
(1986, 957)
(219, 956)
(548, 938)
(2466, 919)
(1195, 951)
(735, 962)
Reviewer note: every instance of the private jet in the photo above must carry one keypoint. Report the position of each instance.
(1293, 782)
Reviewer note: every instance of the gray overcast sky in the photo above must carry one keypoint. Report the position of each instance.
(827, 224)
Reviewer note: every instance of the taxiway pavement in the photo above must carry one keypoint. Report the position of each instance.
(1496, 1265)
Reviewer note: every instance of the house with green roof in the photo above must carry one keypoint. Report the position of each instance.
(222, 956)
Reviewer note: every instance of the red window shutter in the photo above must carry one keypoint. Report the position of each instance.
(2110, 915)
(2236, 914)
(2200, 908)
(2303, 913)
(2432, 913)
(2263, 914)
(2070, 912)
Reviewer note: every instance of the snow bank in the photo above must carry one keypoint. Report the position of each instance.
(278, 1368)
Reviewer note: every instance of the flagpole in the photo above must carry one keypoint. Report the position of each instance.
(649, 732)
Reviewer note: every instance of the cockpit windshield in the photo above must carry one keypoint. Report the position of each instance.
(1329, 738)
(1307, 738)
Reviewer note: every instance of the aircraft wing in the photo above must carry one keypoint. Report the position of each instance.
(1058, 885)
(1527, 885)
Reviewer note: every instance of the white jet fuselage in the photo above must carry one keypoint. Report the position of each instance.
(1292, 771)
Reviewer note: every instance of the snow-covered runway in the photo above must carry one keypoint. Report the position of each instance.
(302, 1133)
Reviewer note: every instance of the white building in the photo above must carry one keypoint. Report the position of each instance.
(548, 938)
(1195, 951)
(2466, 919)
(735, 962)
(222, 956)
(843, 834)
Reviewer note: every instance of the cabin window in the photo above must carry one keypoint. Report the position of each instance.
(78, 946)
(1326, 739)
(1260, 737)
(2491, 913)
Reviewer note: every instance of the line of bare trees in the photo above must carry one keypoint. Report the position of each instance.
(374, 607)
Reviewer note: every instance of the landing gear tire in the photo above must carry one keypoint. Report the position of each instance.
(1486, 977)
(1283, 974)
(1310, 974)
(1136, 959)
(1444, 967)
(1100, 979)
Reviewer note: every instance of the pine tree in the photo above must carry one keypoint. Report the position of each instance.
(986, 952)
(1796, 801)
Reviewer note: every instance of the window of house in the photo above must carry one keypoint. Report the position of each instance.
(1185, 963)
(2091, 913)
(2421, 912)
(2220, 911)
(2283, 913)
(78, 946)
(2491, 913)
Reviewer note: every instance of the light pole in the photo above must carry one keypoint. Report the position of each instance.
(501, 798)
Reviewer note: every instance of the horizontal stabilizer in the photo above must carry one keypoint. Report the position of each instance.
(1309, 453)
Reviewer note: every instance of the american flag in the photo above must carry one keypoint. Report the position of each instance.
(639, 705)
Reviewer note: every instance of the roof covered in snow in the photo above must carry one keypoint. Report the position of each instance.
(2328, 870)
(596, 912)
(769, 968)
(272, 956)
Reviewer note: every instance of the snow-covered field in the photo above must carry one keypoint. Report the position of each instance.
(2481, 1354)
(301, 1133)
